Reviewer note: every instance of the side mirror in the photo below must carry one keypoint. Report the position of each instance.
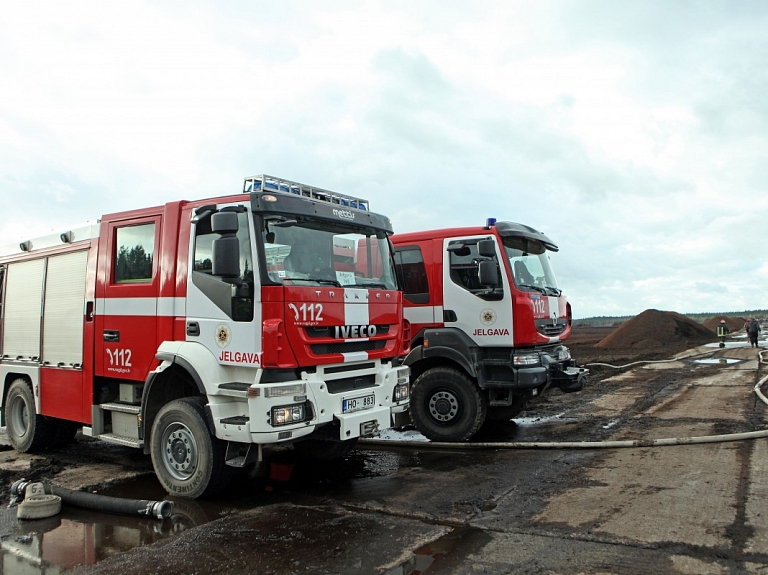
(225, 250)
(487, 274)
(486, 248)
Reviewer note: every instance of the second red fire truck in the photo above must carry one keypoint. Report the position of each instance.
(488, 324)
(201, 331)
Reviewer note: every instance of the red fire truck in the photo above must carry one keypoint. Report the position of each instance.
(200, 331)
(487, 324)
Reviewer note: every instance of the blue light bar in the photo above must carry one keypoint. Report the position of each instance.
(490, 222)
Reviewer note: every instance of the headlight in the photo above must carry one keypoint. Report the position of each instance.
(563, 354)
(401, 392)
(287, 414)
(403, 375)
(527, 359)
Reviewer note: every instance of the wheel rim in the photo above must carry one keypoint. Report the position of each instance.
(180, 451)
(443, 406)
(18, 420)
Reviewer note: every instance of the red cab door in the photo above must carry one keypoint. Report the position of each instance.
(127, 298)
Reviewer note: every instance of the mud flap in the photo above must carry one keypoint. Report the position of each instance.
(363, 423)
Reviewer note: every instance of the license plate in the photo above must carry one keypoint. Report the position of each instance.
(358, 403)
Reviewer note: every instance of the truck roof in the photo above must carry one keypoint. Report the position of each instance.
(505, 229)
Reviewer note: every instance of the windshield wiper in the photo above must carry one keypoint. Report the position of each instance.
(373, 285)
(537, 288)
(556, 291)
(324, 281)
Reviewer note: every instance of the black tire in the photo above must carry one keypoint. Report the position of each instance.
(446, 405)
(64, 432)
(27, 431)
(324, 449)
(188, 459)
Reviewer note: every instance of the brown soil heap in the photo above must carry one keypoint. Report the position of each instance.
(654, 329)
(733, 323)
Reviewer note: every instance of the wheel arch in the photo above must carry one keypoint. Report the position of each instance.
(174, 378)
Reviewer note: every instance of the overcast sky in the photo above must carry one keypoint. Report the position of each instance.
(634, 134)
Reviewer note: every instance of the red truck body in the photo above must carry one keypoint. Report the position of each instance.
(182, 325)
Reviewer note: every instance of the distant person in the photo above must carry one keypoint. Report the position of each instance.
(753, 331)
(746, 325)
(722, 331)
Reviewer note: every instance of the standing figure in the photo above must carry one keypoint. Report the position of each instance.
(753, 331)
(722, 331)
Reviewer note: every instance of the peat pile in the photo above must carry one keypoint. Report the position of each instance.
(733, 323)
(655, 330)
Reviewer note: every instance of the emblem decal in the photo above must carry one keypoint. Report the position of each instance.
(223, 335)
(488, 317)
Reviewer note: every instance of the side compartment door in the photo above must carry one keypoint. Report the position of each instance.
(126, 298)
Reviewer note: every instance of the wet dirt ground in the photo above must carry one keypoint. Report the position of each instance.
(415, 509)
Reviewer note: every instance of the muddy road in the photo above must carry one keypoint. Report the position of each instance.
(416, 509)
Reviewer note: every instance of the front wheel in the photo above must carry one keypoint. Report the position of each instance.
(446, 405)
(188, 460)
(27, 431)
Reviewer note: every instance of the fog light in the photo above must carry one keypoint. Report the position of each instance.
(402, 392)
(287, 414)
(528, 359)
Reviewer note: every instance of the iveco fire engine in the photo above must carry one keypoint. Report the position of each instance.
(487, 323)
(201, 331)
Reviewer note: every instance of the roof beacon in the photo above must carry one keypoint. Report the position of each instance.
(265, 183)
(490, 222)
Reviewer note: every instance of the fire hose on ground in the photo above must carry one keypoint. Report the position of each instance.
(37, 500)
(610, 444)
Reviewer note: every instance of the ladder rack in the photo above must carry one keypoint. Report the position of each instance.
(265, 183)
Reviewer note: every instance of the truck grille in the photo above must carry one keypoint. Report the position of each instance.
(546, 327)
(328, 331)
(347, 347)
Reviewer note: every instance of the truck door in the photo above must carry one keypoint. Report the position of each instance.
(224, 316)
(483, 314)
(127, 298)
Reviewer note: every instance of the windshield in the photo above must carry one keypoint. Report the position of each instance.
(529, 262)
(310, 252)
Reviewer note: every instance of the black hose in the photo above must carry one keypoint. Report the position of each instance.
(96, 502)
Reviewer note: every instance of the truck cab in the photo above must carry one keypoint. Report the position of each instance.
(488, 324)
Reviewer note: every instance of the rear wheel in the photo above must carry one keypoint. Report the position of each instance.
(188, 460)
(64, 432)
(446, 405)
(27, 431)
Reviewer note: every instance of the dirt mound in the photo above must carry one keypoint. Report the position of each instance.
(733, 323)
(654, 329)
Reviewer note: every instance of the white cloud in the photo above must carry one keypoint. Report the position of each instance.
(633, 135)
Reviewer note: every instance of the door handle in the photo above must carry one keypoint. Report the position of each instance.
(193, 328)
(112, 335)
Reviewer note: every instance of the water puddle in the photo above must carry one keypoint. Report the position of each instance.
(717, 360)
(457, 544)
(85, 537)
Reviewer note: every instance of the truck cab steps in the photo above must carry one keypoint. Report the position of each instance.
(121, 440)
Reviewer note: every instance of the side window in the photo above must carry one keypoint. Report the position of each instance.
(240, 306)
(412, 274)
(464, 260)
(134, 252)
